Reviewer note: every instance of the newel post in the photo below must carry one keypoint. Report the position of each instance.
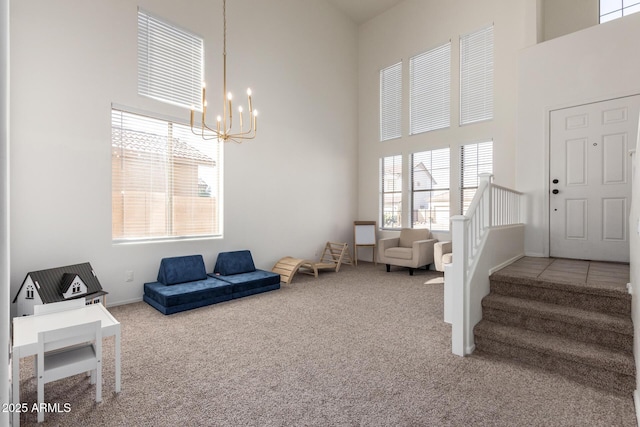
(459, 243)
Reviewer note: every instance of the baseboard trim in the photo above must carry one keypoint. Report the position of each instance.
(504, 264)
(636, 401)
(470, 349)
(129, 301)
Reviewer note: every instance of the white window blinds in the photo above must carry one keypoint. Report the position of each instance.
(474, 160)
(476, 76)
(391, 191)
(430, 189)
(430, 90)
(391, 102)
(165, 180)
(170, 63)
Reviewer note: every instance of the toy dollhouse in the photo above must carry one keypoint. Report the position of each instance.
(58, 284)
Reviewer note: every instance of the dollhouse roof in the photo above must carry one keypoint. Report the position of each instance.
(49, 282)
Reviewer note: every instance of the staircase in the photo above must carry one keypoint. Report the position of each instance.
(567, 316)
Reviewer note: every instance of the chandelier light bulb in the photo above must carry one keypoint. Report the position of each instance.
(255, 113)
(229, 96)
(240, 109)
(249, 91)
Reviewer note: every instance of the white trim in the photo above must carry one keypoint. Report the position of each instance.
(129, 301)
(636, 401)
(506, 263)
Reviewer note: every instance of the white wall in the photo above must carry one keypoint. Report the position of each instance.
(286, 193)
(563, 17)
(594, 64)
(5, 341)
(413, 27)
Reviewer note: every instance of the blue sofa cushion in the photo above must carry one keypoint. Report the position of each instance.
(229, 263)
(187, 293)
(181, 269)
(249, 281)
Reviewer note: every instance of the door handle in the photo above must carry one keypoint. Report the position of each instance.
(555, 191)
(555, 181)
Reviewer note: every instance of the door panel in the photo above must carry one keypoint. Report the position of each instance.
(589, 167)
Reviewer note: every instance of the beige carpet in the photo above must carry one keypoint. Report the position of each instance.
(361, 347)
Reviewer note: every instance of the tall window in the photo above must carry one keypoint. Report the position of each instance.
(391, 102)
(474, 160)
(430, 189)
(612, 9)
(165, 180)
(391, 191)
(430, 90)
(170, 62)
(476, 76)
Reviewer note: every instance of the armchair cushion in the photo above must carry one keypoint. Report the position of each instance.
(398, 252)
(410, 235)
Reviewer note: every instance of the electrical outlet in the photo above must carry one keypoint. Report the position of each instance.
(128, 276)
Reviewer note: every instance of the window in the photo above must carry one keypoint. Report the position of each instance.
(391, 102)
(170, 63)
(430, 90)
(75, 288)
(476, 76)
(612, 9)
(430, 189)
(391, 191)
(474, 160)
(29, 292)
(165, 180)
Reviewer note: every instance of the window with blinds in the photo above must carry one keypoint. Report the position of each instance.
(430, 189)
(474, 160)
(391, 102)
(391, 191)
(430, 90)
(476, 76)
(612, 9)
(170, 63)
(165, 180)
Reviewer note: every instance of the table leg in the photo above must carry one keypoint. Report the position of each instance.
(15, 386)
(118, 360)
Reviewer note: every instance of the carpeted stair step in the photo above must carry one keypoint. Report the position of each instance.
(601, 297)
(614, 331)
(588, 363)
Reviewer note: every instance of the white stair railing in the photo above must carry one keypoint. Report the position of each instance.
(492, 206)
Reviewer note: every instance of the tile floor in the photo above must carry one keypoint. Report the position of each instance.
(570, 270)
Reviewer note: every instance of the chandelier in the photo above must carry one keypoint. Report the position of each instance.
(223, 127)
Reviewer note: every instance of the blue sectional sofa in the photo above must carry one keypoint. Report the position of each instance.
(183, 282)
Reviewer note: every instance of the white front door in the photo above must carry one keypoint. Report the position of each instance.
(590, 179)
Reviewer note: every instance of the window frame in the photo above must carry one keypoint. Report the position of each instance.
(477, 76)
(480, 167)
(390, 88)
(429, 170)
(175, 189)
(429, 103)
(619, 13)
(170, 62)
(396, 189)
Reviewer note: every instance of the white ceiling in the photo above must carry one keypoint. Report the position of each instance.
(363, 10)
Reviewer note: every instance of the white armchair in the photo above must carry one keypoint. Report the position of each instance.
(442, 254)
(412, 249)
